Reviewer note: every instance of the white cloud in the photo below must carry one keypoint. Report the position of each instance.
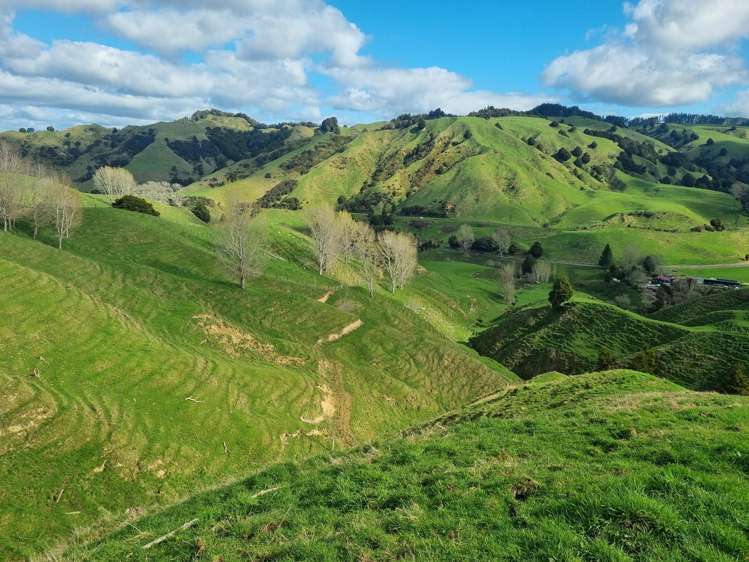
(197, 29)
(264, 30)
(688, 24)
(386, 91)
(255, 56)
(93, 77)
(52, 92)
(621, 73)
(673, 52)
(17, 115)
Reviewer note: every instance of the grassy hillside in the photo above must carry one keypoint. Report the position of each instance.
(705, 309)
(135, 372)
(607, 466)
(502, 172)
(587, 335)
(180, 151)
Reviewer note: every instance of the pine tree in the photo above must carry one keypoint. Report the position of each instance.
(607, 257)
(561, 292)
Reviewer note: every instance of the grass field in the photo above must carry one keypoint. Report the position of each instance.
(610, 466)
(136, 373)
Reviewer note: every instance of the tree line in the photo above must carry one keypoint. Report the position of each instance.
(336, 236)
(36, 195)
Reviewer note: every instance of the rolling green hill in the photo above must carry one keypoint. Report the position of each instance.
(607, 466)
(587, 335)
(135, 373)
(500, 171)
(504, 169)
(179, 151)
(478, 169)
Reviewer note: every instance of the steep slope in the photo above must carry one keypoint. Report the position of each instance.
(134, 372)
(588, 335)
(607, 466)
(505, 170)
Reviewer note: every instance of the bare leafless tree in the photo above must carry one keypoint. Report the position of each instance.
(65, 205)
(347, 231)
(12, 168)
(542, 272)
(36, 200)
(114, 182)
(368, 254)
(241, 242)
(507, 275)
(399, 255)
(465, 237)
(503, 241)
(325, 230)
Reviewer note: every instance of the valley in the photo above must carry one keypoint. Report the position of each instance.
(142, 387)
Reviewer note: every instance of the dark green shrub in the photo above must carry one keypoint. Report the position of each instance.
(485, 244)
(202, 212)
(562, 155)
(136, 204)
(526, 268)
(650, 264)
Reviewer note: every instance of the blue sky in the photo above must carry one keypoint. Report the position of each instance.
(110, 61)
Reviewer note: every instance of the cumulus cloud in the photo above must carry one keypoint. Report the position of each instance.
(393, 90)
(672, 52)
(254, 56)
(688, 24)
(263, 30)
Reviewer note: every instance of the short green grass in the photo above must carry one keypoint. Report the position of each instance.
(610, 466)
(117, 399)
(698, 345)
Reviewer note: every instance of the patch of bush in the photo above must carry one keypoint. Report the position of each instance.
(562, 155)
(485, 244)
(136, 204)
(202, 212)
(274, 197)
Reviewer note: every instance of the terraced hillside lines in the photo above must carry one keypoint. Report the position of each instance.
(668, 207)
(343, 173)
(119, 399)
(159, 377)
(606, 466)
(703, 361)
